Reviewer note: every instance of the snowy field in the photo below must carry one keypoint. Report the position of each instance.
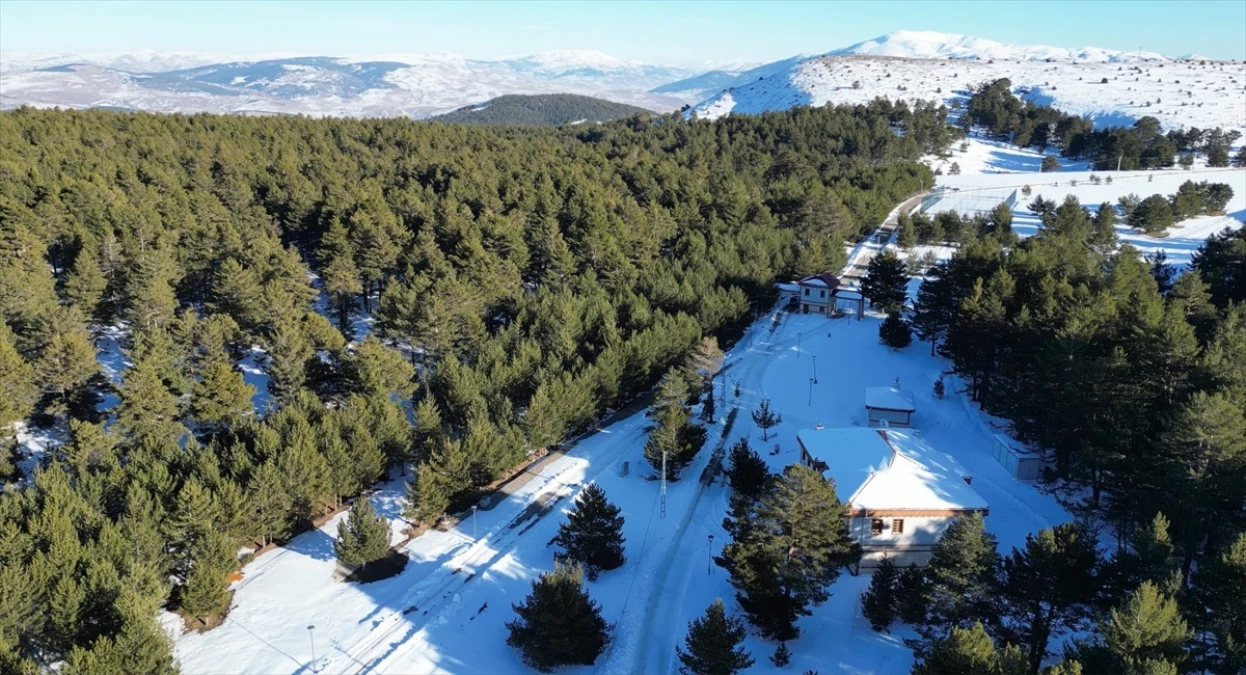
(447, 611)
(979, 192)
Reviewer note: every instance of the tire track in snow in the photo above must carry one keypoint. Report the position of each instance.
(436, 594)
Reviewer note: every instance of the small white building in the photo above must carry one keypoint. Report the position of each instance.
(900, 492)
(817, 294)
(889, 406)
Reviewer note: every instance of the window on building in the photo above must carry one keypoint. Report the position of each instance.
(876, 526)
(806, 291)
(821, 294)
(897, 526)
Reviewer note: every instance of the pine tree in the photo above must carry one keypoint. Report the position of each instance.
(1104, 227)
(1046, 588)
(765, 418)
(85, 284)
(288, 353)
(363, 537)
(339, 274)
(894, 331)
(66, 363)
(676, 436)
(558, 624)
(222, 395)
(1217, 590)
(782, 655)
(18, 391)
(886, 281)
(747, 473)
(1147, 631)
(787, 549)
(376, 370)
(713, 645)
(270, 503)
(880, 603)
(238, 293)
(961, 577)
(936, 305)
(196, 516)
(206, 591)
(1150, 556)
(148, 412)
(593, 533)
(305, 473)
(965, 651)
(911, 590)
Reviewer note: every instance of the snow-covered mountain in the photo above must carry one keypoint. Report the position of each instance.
(1189, 91)
(410, 84)
(912, 44)
(1111, 87)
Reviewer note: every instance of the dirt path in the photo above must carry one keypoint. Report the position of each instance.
(869, 247)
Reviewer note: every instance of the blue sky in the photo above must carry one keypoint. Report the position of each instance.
(684, 33)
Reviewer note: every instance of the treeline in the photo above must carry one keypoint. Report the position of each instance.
(1132, 611)
(1133, 385)
(521, 282)
(1003, 115)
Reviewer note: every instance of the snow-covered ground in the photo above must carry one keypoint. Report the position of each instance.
(447, 611)
(980, 192)
(1177, 93)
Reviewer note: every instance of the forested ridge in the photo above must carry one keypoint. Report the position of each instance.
(541, 110)
(521, 282)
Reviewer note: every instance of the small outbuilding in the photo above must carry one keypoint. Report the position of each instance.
(889, 406)
(1021, 462)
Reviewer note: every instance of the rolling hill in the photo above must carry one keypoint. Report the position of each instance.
(540, 110)
(1111, 87)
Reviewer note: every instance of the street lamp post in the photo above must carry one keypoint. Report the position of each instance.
(311, 632)
(474, 508)
(811, 381)
(798, 345)
(815, 369)
(709, 558)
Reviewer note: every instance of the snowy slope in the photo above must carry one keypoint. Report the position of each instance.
(933, 66)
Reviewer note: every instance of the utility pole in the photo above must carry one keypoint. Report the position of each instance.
(709, 559)
(663, 498)
(311, 631)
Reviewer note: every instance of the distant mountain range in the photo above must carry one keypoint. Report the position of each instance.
(420, 86)
(540, 110)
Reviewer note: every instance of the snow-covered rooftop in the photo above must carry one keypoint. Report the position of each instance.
(877, 469)
(888, 398)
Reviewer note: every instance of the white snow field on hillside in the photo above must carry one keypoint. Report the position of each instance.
(447, 611)
(939, 67)
(974, 193)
